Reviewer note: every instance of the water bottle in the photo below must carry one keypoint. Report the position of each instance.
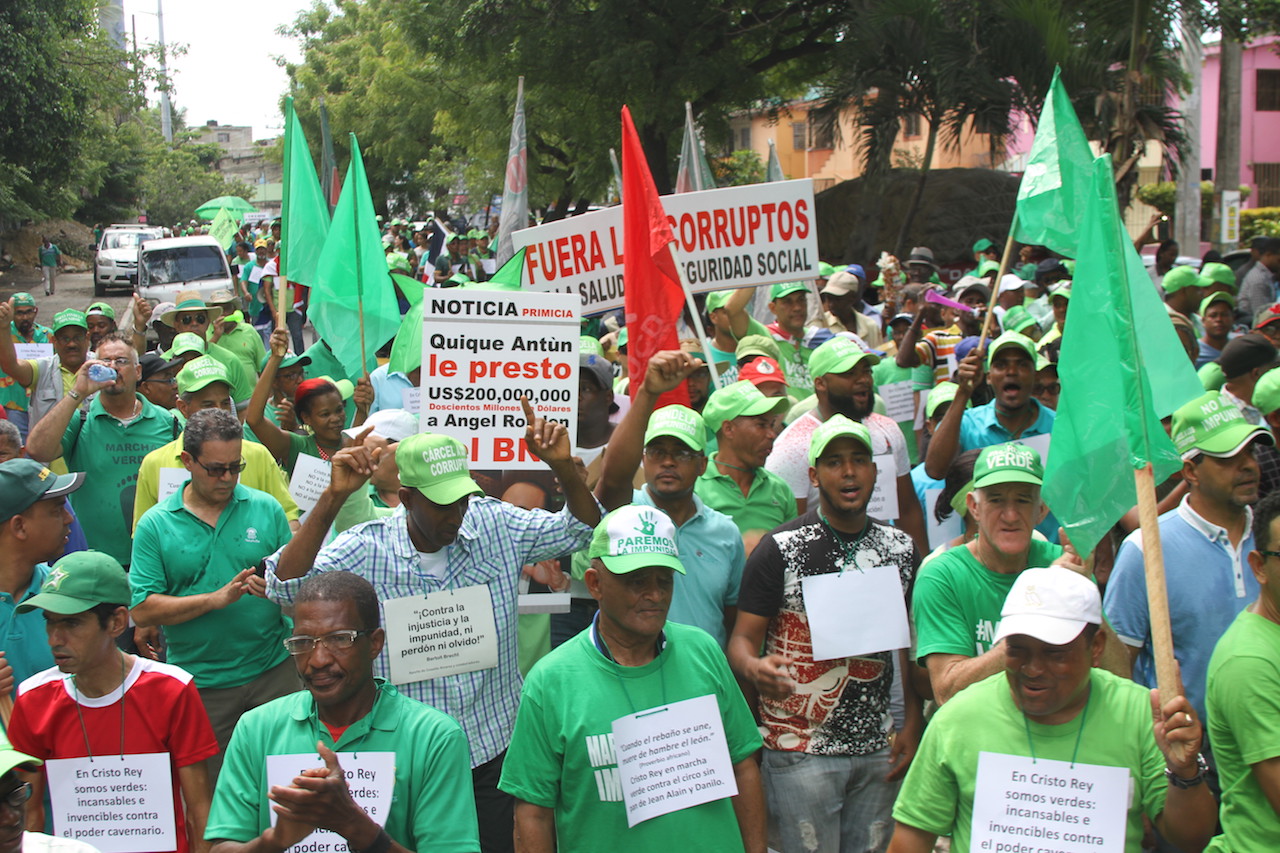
(102, 373)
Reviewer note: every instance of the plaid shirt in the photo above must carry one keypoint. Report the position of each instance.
(495, 542)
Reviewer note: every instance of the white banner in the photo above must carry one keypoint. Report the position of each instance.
(481, 352)
(732, 237)
(118, 804)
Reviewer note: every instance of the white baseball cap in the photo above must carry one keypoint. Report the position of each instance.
(1053, 605)
(1011, 282)
(391, 424)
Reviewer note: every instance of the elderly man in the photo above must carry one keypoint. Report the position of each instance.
(445, 543)
(993, 771)
(410, 759)
(562, 767)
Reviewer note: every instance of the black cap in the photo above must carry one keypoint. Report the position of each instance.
(152, 363)
(1245, 353)
(1048, 267)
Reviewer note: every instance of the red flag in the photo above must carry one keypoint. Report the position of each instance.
(651, 284)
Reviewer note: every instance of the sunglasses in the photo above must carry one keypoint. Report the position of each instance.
(221, 471)
(188, 319)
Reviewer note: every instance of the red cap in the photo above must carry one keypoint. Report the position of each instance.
(760, 370)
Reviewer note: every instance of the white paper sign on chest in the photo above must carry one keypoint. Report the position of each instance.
(371, 778)
(444, 633)
(117, 804)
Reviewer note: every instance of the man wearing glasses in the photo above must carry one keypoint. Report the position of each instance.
(194, 558)
(14, 794)
(107, 442)
(192, 315)
(407, 788)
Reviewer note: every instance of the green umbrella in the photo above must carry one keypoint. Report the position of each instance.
(231, 203)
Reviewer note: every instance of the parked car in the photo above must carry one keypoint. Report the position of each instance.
(174, 264)
(115, 262)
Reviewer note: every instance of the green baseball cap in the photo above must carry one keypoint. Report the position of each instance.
(1179, 277)
(986, 266)
(717, 299)
(623, 336)
(69, 317)
(1017, 318)
(287, 361)
(757, 345)
(79, 582)
(184, 343)
(836, 356)
(679, 422)
(941, 394)
(983, 244)
(25, 481)
(825, 270)
(836, 426)
(1063, 290)
(1220, 296)
(786, 289)
(1215, 273)
(202, 372)
(587, 345)
(11, 758)
(346, 388)
(1266, 394)
(24, 300)
(1012, 339)
(635, 537)
(1214, 426)
(740, 399)
(101, 308)
(437, 466)
(1007, 463)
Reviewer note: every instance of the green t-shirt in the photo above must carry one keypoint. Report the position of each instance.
(111, 454)
(1243, 703)
(242, 382)
(245, 344)
(300, 444)
(561, 754)
(957, 601)
(937, 795)
(768, 504)
(175, 553)
(432, 803)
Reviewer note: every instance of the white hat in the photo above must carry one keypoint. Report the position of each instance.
(1011, 282)
(391, 424)
(1053, 605)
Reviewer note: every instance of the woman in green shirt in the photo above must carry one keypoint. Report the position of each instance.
(318, 404)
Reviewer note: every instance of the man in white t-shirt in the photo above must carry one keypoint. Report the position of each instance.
(843, 384)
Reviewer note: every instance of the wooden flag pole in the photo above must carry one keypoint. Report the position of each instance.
(995, 286)
(6, 709)
(282, 298)
(693, 313)
(1157, 598)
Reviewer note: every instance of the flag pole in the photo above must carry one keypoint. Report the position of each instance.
(693, 312)
(282, 278)
(364, 360)
(6, 709)
(1157, 596)
(995, 286)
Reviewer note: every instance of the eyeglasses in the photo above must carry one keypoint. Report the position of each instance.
(221, 471)
(1048, 388)
(1270, 553)
(172, 380)
(123, 361)
(657, 454)
(188, 319)
(338, 641)
(17, 797)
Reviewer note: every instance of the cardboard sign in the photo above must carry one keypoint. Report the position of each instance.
(939, 534)
(856, 612)
(411, 400)
(1025, 804)
(444, 633)
(1040, 443)
(484, 350)
(732, 237)
(673, 757)
(371, 778)
(171, 480)
(33, 351)
(884, 500)
(899, 401)
(310, 478)
(117, 804)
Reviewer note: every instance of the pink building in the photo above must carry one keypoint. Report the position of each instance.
(1259, 119)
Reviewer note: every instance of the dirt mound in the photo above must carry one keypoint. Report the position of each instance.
(71, 237)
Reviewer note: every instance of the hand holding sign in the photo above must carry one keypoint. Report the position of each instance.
(319, 798)
(547, 440)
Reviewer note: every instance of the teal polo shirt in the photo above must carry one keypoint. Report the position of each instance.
(432, 803)
(711, 551)
(175, 553)
(26, 647)
(767, 504)
(980, 428)
(110, 454)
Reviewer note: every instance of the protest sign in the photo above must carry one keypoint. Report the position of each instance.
(444, 633)
(371, 779)
(481, 352)
(119, 804)
(732, 237)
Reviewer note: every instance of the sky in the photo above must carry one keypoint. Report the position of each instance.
(229, 72)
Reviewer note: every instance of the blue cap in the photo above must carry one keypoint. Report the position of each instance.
(857, 270)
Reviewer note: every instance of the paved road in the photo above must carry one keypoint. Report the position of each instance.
(72, 290)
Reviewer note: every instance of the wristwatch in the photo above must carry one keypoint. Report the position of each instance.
(381, 844)
(1202, 769)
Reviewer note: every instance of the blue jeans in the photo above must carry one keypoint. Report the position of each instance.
(829, 803)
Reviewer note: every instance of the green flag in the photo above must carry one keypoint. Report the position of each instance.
(509, 276)
(410, 287)
(304, 222)
(1122, 368)
(352, 276)
(1055, 184)
(406, 350)
(224, 228)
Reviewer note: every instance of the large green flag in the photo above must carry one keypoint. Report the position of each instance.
(352, 274)
(224, 228)
(406, 350)
(1123, 369)
(304, 222)
(509, 276)
(1051, 198)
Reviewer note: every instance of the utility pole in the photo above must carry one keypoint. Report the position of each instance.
(1226, 172)
(166, 114)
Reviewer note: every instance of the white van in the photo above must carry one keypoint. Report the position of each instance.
(115, 263)
(168, 266)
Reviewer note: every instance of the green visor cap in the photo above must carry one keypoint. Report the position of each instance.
(987, 266)
(1007, 463)
(24, 300)
(588, 345)
(836, 426)
(740, 399)
(717, 299)
(1017, 318)
(80, 582)
(1180, 277)
(69, 317)
(1266, 394)
(635, 537)
(750, 345)
(786, 289)
(679, 422)
(983, 244)
(1012, 339)
(200, 373)
(1215, 273)
(941, 394)
(1213, 426)
(825, 270)
(1220, 296)
(837, 356)
(287, 361)
(184, 343)
(437, 466)
(102, 309)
